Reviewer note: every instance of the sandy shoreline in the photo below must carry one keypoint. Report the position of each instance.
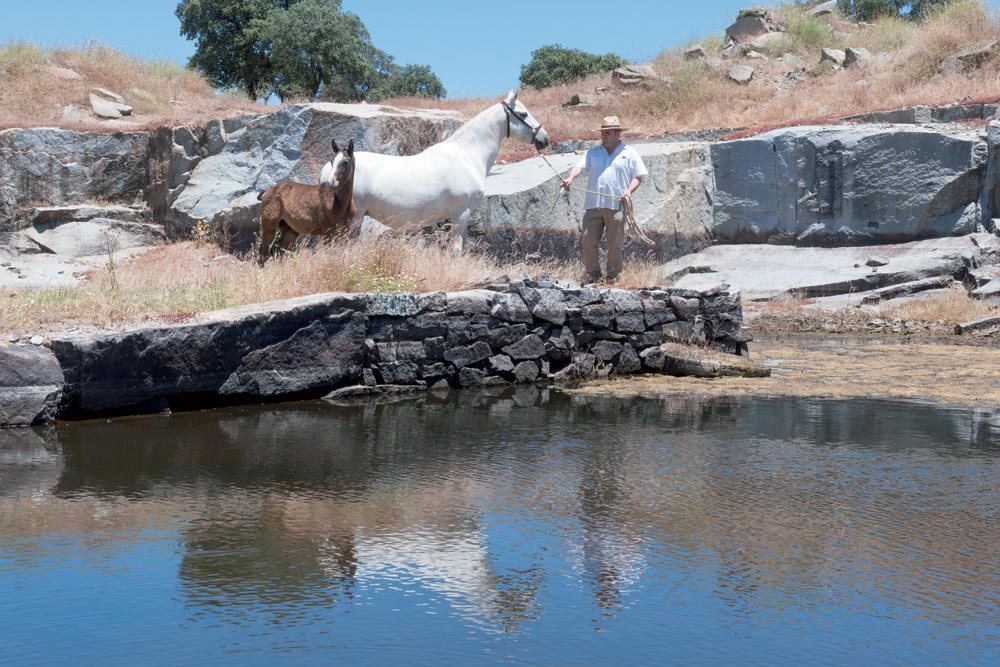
(832, 366)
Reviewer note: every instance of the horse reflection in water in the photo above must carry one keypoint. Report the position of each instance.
(447, 181)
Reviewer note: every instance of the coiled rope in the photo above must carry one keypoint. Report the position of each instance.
(626, 202)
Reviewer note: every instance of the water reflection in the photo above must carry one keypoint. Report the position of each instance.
(504, 512)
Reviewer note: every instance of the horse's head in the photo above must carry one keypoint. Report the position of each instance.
(343, 164)
(521, 124)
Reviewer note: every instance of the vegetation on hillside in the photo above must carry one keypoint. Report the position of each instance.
(554, 64)
(906, 71)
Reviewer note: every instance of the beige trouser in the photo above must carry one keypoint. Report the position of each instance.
(598, 222)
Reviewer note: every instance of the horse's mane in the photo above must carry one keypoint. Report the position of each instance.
(470, 126)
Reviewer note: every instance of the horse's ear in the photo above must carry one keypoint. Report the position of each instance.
(350, 148)
(335, 148)
(511, 97)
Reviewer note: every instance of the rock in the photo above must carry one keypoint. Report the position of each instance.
(989, 290)
(31, 385)
(823, 9)
(637, 75)
(254, 153)
(827, 272)
(836, 56)
(681, 360)
(976, 325)
(843, 185)
(695, 53)
(857, 57)
(572, 100)
(746, 28)
(105, 108)
(288, 347)
(64, 167)
(741, 74)
(971, 56)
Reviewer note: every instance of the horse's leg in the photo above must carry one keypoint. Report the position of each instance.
(288, 236)
(267, 231)
(460, 228)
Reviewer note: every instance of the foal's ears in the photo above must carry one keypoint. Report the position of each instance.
(350, 148)
(333, 144)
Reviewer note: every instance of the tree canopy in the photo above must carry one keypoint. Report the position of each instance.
(295, 48)
(867, 10)
(555, 64)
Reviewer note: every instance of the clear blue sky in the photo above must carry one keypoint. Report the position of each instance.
(475, 47)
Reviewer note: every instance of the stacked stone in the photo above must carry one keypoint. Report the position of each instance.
(527, 330)
(514, 332)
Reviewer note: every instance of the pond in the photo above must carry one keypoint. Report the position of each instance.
(523, 527)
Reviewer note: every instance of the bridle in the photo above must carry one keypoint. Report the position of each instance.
(509, 111)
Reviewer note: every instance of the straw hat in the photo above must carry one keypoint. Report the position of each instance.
(611, 123)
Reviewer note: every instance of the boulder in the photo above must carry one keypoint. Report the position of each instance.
(283, 348)
(857, 57)
(835, 56)
(848, 185)
(971, 56)
(741, 74)
(637, 75)
(106, 104)
(695, 53)
(746, 28)
(31, 385)
(823, 9)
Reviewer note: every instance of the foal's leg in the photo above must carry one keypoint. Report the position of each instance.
(288, 236)
(268, 228)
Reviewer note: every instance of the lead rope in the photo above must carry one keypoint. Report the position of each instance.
(626, 201)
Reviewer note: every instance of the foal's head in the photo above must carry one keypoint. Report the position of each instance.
(343, 164)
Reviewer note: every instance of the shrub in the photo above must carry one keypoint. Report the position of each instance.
(552, 65)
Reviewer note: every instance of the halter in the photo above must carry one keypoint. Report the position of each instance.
(509, 111)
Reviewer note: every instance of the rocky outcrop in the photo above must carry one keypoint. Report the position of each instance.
(673, 207)
(828, 186)
(183, 175)
(763, 272)
(45, 166)
(508, 333)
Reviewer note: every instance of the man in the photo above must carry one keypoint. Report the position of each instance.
(614, 171)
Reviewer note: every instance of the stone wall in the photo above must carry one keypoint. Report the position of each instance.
(513, 332)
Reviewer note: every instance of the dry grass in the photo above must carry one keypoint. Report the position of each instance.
(34, 88)
(942, 310)
(176, 281)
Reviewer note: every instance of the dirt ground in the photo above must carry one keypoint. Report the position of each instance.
(947, 371)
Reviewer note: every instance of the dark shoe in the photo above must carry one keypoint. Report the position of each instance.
(592, 278)
(612, 279)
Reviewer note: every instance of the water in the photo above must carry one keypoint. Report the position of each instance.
(525, 528)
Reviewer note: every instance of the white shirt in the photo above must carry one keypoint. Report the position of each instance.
(610, 174)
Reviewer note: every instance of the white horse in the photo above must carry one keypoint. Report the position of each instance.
(445, 181)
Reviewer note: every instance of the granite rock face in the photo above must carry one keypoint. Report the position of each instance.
(834, 186)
